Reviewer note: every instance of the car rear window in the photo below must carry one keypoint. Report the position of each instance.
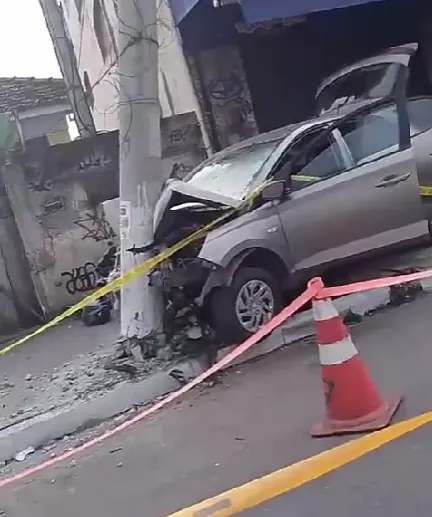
(372, 82)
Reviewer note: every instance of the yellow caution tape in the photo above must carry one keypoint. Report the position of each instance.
(141, 269)
(151, 263)
(425, 191)
(305, 179)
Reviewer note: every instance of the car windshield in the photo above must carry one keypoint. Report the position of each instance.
(231, 173)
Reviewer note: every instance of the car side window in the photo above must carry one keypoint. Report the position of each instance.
(320, 161)
(372, 135)
(420, 114)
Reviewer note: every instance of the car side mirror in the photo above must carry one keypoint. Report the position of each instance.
(274, 191)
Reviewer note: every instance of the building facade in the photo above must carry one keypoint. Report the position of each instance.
(92, 28)
(243, 66)
(260, 62)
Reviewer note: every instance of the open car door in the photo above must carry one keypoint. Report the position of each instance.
(370, 200)
(373, 78)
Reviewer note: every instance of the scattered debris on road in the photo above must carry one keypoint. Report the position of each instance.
(22, 455)
(87, 377)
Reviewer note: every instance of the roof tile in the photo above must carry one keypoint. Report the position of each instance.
(22, 93)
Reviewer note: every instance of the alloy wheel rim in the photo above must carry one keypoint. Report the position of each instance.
(254, 305)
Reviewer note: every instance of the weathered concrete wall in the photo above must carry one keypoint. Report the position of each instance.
(176, 92)
(57, 194)
(91, 161)
(224, 95)
(63, 235)
(76, 236)
(8, 311)
(111, 209)
(19, 304)
(182, 145)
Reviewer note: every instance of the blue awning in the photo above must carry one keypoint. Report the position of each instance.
(264, 10)
(180, 8)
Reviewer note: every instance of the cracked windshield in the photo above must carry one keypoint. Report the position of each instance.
(215, 258)
(231, 173)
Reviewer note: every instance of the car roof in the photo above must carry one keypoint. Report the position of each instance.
(278, 134)
(283, 132)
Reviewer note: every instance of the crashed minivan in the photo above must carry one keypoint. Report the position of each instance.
(339, 187)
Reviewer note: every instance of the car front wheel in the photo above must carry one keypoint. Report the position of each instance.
(239, 310)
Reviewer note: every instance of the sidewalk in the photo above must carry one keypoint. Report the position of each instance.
(254, 423)
(53, 369)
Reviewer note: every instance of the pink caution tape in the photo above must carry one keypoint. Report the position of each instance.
(315, 290)
(264, 331)
(377, 283)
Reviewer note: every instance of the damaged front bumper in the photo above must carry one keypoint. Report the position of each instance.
(182, 284)
(190, 274)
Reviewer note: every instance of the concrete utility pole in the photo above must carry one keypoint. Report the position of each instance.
(66, 58)
(140, 157)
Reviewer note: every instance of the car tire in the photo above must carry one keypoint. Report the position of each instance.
(224, 303)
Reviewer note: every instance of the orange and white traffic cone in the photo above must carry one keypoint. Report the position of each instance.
(352, 400)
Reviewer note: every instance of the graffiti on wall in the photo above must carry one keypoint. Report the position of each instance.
(92, 161)
(95, 227)
(230, 91)
(179, 170)
(97, 159)
(223, 93)
(181, 135)
(41, 185)
(56, 204)
(80, 279)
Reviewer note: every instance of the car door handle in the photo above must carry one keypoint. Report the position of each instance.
(393, 179)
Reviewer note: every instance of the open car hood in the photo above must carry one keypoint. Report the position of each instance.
(180, 198)
(372, 78)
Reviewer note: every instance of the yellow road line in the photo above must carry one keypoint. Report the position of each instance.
(282, 481)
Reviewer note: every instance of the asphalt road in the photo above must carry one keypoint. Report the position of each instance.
(393, 481)
(253, 424)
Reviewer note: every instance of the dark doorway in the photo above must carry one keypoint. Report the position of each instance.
(285, 65)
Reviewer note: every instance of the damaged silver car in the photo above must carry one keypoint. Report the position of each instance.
(341, 187)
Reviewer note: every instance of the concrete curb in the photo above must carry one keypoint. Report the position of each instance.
(43, 429)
